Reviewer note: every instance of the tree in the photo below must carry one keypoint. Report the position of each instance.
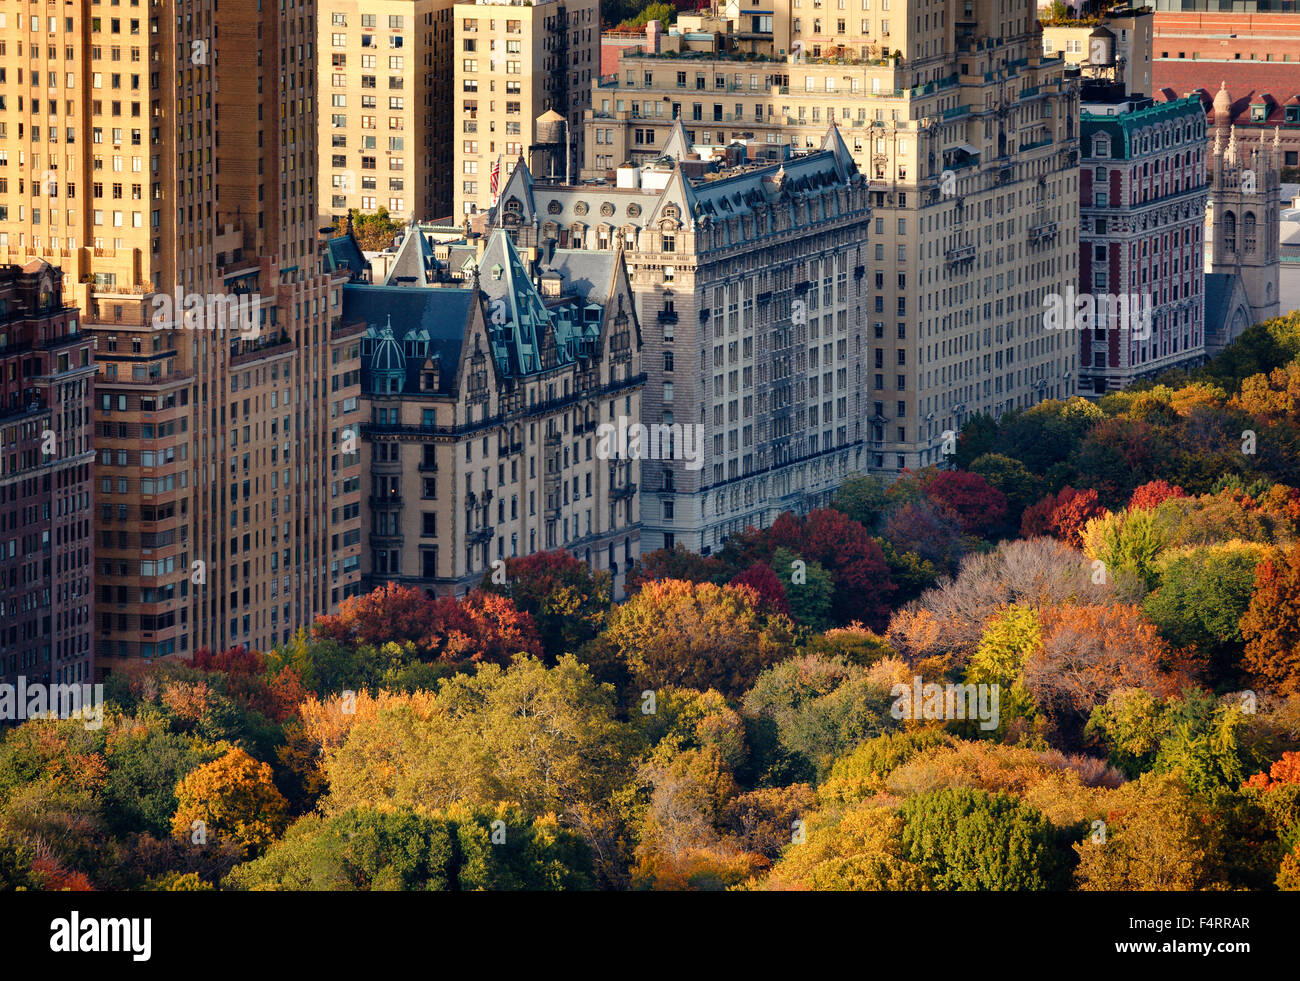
(1158, 837)
(980, 507)
(373, 232)
(1129, 541)
(697, 635)
(971, 840)
(807, 587)
(1012, 636)
(1090, 650)
(358, 849)
(852, 557)
(1152, 494)
(818, 708)
(678, 562)
(544, 738)
(862, 498)
(1061, 515)
(233, 797)
(767, 585)
(1202, 594)
(1020, 487)
(1271, 624)
(930, 531)
(566, 598)
(480, 627)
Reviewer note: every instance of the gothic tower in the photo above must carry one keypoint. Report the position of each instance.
(1244, 211)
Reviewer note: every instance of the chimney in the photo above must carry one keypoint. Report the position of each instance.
(653, 30)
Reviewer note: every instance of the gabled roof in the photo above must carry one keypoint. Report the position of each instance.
(677, 144)
(415, 262)
(342, 252)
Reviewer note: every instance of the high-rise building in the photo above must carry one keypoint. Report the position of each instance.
(384, 124)
(47, 455)
(968, 135)
(750, 279)
(488, 383)
(513, 62)
(173, 160)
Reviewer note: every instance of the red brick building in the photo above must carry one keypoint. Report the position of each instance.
(1254, 52)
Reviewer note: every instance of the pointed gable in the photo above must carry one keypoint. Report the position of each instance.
(678, 144)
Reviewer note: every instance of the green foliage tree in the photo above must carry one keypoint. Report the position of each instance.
(972, 840)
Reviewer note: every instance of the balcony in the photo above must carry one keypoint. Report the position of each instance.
(626, 491)
(962, 253)
(1043, 232)
(480, 536)
(385, 500)
(667, 316)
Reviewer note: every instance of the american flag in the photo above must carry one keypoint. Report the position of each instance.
(496, 175)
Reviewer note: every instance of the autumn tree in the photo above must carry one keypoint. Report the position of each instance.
(1012, 478)
(1158, 836)
(980, 508)
(1061, 515)
(697, 635)
(862, 498)
(767, 585)
(852, 557)
(1152, 494)
(1201, 597)
(932, 532)
(1271, 623)
(1090, 650)
(566, 598)
(232, 797)
(807, 587)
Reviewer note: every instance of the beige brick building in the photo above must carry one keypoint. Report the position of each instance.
(384, 126)
(968, 135)
(161, 155)
(513, 62)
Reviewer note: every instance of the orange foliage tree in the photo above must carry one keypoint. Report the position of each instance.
(1271, 624)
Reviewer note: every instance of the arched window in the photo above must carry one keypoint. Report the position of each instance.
(1248, 232)
(1229, 232)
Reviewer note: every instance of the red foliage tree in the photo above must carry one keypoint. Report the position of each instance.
(1284, 771)
(848, 552)
(1152, 494)
(480, 627)
(388, 612)
(1271, 624)
(767, 586)
(1062, 516)
(979, 506)
(276, 696)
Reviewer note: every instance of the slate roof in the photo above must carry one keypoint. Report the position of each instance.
(441, 312)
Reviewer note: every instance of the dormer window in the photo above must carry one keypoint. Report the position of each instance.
(1101, 146)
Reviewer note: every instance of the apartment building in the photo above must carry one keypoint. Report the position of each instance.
(1142, 198)
(167, 162)
(47, 494)
(514, 61)
(488, 384)
(385, 68)
(968, 135)
(750, 280)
